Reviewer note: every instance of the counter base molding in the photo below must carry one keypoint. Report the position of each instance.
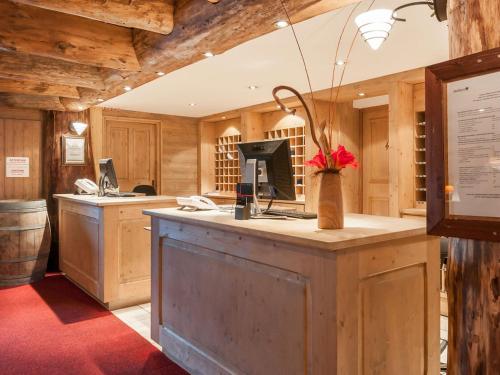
(226, 301)
(104, 248)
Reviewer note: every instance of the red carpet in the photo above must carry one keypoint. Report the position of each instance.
(52, 327)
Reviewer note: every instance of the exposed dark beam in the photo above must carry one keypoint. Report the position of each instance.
(19, 66)
(151, 15)
(31, 101)
(65, 37)
(37, 88)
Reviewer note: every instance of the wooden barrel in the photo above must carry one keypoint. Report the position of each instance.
(24, 241)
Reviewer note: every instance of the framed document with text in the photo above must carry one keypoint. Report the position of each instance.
(463, 147)
(73, 150)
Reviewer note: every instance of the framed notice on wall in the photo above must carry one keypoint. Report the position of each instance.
(73, 150)
(463, 147)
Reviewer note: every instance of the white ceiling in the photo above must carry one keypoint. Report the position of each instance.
(221, 83)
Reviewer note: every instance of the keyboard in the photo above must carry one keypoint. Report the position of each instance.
(121, 195)
(290, 213)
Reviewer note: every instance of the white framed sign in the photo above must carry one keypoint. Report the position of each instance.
(73, 150)
(474, 146)
(17, 167)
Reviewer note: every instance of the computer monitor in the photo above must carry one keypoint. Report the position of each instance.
(107, 179)
(273, 163)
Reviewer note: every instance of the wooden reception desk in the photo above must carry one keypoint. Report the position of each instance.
(282, 297)
(104, 248)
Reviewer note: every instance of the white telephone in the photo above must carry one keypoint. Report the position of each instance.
(196, 202)
(87, 186)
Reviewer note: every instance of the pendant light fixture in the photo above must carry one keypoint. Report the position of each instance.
(375, 25)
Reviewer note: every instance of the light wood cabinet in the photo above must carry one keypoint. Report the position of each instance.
(104, 246)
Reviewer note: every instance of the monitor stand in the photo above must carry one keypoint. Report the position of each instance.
(252, 177)
(104, 189)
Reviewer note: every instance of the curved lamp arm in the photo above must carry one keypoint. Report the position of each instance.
(292, 111)
(429, 3)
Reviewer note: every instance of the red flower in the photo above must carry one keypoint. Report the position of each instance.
(341, 159)
(318, 161)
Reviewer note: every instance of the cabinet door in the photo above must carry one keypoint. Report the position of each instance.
(132, 147)
(376, 161)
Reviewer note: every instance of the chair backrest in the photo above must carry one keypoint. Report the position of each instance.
(145, 189)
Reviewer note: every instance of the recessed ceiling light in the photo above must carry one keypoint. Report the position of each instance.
(127, 88)
(281, 24)
(224, 117)
(361, 94)
(160, 74)
(253, 87)
(339, 62)
(192, 104)
(100, 100)
(208, 54)
(278, 107)
(482, 110)
(80, 107)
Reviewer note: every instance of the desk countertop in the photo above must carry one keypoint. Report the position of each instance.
(93, 200)
(359, 229)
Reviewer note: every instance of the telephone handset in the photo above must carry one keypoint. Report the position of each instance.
(196, 202)
(86, 186)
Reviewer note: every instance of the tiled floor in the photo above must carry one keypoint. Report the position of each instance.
(139, 319)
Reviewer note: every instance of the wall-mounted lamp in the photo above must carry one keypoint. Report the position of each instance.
(78, 127)
(375, 25)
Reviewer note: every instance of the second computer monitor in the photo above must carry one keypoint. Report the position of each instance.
(274, 163)
(108, 174)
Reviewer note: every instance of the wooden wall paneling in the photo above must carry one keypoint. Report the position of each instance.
(179, 159)
(251, 126)
(21, 138)
(206, 158)
(419, 97)
(347, 120)
(473, 266)
(401, 148)
(59, 178)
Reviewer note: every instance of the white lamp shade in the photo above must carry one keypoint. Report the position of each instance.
(374, 26)
(78, 127)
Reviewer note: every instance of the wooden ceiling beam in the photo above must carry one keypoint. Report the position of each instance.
(23, 67)
(152, 15)
(65, 37)
(30, 101)
(200, 27)
(37, 88)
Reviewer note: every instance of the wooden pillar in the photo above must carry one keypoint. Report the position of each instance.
(401, 146)
(473, 266)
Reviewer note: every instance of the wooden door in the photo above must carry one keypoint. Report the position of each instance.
(376, 161)
(132, 146)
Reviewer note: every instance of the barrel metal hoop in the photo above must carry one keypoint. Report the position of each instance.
(25, 259)
(22, 229)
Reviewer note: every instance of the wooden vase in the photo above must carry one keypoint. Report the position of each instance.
(330, 207)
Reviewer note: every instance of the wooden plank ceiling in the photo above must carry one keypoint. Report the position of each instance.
(72, 54)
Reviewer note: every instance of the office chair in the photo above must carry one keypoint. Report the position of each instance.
(145, 189)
